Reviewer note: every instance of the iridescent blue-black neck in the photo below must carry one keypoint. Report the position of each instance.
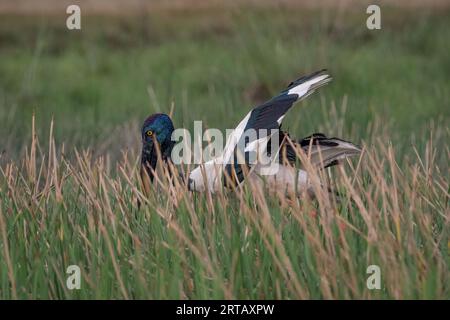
(157, 128)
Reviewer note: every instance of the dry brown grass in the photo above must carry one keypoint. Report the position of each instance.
(246, 243)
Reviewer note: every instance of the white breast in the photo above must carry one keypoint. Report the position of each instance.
(209, 175)
(283, 178)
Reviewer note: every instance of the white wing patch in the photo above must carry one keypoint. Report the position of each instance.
(233, 140)
(281, 119)
(303, 88)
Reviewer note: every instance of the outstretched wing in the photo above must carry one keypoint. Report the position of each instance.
(269, 116)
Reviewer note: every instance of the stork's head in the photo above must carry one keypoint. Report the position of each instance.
(156, 130)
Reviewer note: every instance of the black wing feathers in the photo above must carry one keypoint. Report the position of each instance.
(306, 78)
(266, 116)
(331, 150)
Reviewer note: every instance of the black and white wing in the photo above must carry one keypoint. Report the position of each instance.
(269, 116)
(321, 150)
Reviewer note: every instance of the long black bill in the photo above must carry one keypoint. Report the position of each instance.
(149, 158)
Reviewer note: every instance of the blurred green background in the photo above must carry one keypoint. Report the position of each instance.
(213, 63)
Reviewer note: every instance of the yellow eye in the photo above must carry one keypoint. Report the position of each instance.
(149, 133)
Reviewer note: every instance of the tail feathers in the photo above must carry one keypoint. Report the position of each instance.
(325, 152)
(306, 85)
(322, 151)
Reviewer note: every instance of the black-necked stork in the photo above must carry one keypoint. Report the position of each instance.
(212, 175)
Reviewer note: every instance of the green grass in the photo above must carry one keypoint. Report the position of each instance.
(215, 68)
(390, 93)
